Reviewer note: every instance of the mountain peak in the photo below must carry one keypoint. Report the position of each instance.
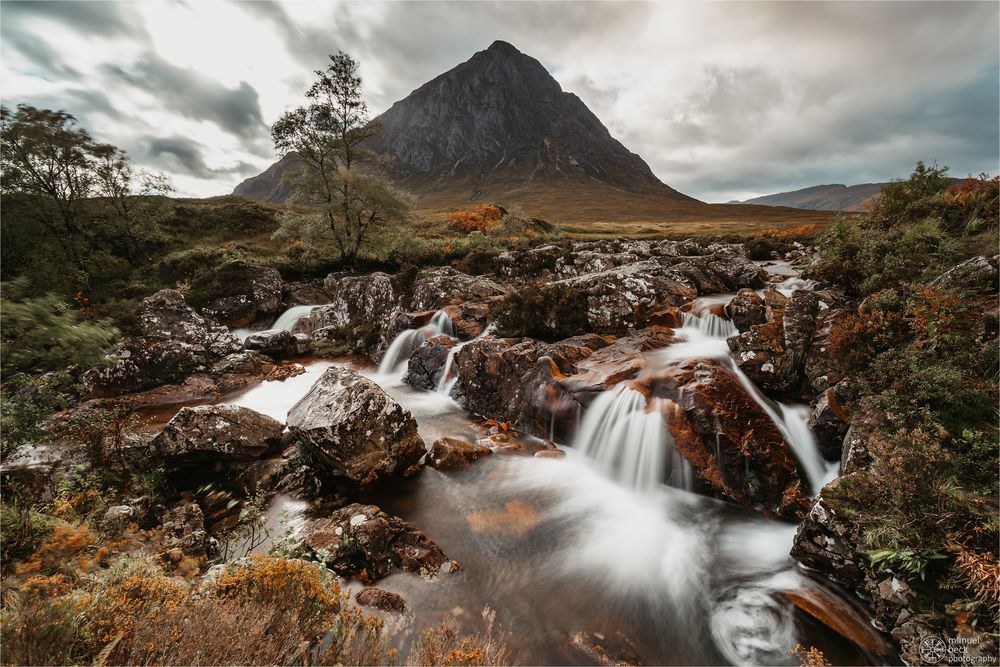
(500, 46)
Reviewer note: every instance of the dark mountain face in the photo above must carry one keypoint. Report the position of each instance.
(496, 122)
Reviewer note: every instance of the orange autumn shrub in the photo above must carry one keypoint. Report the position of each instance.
(115, 610)
(67, 550)
(481, 218)
(442, 645)
(285, 583)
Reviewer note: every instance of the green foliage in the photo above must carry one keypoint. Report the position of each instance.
(341, 183)
(43, 334)
(27, 403)
(23, 528)
(907, 560)
(549, 312)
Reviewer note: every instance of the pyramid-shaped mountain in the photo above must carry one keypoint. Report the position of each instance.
(499, 128)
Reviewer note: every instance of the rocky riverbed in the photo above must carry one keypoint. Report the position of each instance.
(619, 446)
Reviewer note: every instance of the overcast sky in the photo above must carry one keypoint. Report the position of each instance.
(723, 100)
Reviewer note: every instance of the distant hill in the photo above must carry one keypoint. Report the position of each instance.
(499, 128)
(834, 197)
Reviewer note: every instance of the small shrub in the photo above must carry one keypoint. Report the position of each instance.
(443, 646)
(23, 529)
(549, 312)
(481, 218)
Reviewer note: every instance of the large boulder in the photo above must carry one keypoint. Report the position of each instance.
(371, 298)
(445, 286)
(173, 342)
(731, 442)
(354, 427)
(217, 433)
(362, 540)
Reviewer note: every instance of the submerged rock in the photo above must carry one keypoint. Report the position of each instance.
(448, 453)
(217, 433)
(362, 540)
(380, 599)
(354, 427)
(595, 648)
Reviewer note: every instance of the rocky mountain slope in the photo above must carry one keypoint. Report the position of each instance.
(499, 128)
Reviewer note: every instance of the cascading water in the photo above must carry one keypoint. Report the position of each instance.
(286, 321)
(405, 344)
(448, 379)
(627, 436)
(703, 341)
(710, 325)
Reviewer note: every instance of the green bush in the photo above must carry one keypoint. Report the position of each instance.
(549, 312)
(43, 334)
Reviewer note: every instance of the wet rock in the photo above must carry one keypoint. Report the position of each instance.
(822, 368)
(444, 286)
(380, 599)
(174, 342)
(595, 648)
(470, 318)
(426, 365)
(616, 361)
(450, 453)
(275, 343)
(726, 436)
(829, 420)
(758, 353)
(303, 344)
(354, 427)
(283, 371)
(199, 387)
(362, 540)
(746, 310)
(304, 294)
(183, 529)
(217, 433)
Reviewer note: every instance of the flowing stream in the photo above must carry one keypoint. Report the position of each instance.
(606, 540)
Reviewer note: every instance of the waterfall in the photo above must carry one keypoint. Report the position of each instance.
(446, 381)
(628, 437)
(405, 344)
(287, 321)
(710, 325)
(704, 340)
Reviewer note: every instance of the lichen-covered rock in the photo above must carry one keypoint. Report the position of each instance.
(362, 540)
(444, 286)
(829, 543)
(448, 453)
(217, 433)
(746, 309)
(275, 343)
(977, 276)
(354, 427)
(758, 351)
(174, 342)
(427, 363)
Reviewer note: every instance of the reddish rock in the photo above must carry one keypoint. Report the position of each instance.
(448, 453)
(729, 440)
(598, 649)
(380, 599)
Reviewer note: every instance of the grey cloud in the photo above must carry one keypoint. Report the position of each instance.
(107, 19)
(196, 96)
(40, 54)
(172, 152)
